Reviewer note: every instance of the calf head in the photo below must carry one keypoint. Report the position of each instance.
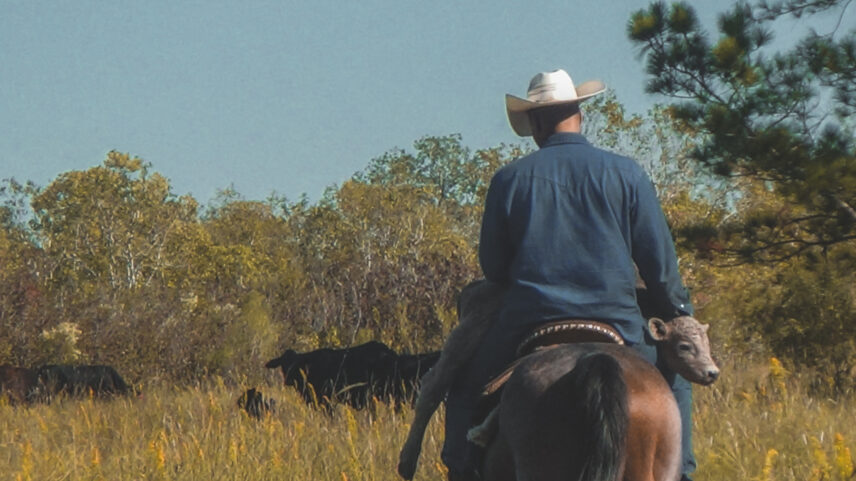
(684, 345)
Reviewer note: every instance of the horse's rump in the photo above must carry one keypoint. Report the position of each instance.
(581, 410)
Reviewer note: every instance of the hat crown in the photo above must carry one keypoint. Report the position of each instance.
(545, 89)
(551, 87)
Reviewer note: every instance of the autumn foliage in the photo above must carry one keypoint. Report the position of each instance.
(108, 266)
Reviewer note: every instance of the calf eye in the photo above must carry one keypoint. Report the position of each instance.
(685, 347)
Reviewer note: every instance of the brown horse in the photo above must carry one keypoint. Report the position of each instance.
(595, 411)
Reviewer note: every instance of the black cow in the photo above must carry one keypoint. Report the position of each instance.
(255, 403)
(81, 380)
(19, 384)
(354, 375)
(351, 375)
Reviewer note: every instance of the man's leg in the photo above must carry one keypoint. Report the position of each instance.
(683, 391)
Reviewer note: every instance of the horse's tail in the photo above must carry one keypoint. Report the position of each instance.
(602, 414)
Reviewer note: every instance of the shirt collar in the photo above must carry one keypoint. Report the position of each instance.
(565, 138)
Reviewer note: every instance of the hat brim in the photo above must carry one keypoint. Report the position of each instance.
(518, 108)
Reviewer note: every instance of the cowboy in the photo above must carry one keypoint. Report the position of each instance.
(561, 231)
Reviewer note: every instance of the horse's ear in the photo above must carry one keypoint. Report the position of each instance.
(658, 329)
(705, 327)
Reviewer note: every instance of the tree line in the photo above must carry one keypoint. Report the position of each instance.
(756, 176)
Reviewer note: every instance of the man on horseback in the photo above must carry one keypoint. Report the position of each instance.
(561, 231)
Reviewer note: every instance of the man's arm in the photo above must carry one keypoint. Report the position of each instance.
(495, 250)
(654, 253)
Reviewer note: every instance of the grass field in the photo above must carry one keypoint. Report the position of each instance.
(757, 423)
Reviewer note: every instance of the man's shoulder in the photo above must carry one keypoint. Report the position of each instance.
(613, 159)
(584, 155)
(515, 165)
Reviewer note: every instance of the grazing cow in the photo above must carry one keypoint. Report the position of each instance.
(354, 375)
(19, 384)
(255, 403)
(78, 380)
(324, 376)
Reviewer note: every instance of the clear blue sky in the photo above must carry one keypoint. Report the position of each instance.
(284, 96)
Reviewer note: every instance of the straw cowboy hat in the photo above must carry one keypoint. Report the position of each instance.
(546, 89)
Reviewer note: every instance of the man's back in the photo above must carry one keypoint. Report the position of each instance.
(563, 226)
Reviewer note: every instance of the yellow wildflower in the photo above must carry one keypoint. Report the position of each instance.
(769, 462)
(776, 369)
(96, 457)
(843, 458)
(821, 470)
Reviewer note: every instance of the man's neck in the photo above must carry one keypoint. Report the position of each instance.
(571, 125)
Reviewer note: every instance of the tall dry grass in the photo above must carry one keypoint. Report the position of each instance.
(199, 433)
(759, 422)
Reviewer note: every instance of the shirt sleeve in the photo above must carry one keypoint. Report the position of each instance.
(654, 253)
(495, 249)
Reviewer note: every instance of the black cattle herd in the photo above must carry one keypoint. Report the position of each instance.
(356, 376)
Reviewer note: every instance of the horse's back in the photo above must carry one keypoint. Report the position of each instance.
(538, 425)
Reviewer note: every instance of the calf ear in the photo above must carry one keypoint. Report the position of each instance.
(658, 329)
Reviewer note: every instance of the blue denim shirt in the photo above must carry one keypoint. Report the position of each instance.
(562, 228)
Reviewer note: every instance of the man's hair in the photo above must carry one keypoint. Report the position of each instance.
(549, 117)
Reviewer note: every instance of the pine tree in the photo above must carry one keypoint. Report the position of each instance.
(782, 116)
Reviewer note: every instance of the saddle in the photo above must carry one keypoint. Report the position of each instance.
(551, 335)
